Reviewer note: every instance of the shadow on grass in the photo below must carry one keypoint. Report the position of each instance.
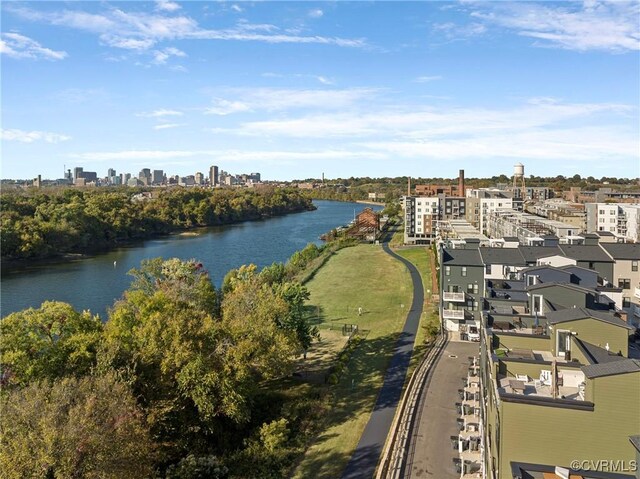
(354, 398)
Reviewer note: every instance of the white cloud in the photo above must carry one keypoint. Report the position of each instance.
(165, 126)
(540, 129)
(141, 31)
(274, 99)
(453, 31)
(32, 136)
(160, 57)
(426, 79)
(237, 8)
(167, 5)
(315, 13)
(593, 25)
(159, 113)
(19, 46)
(324, 80)
(224, 107)
(253, 156)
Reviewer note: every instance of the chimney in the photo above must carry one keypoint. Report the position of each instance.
(461, 191)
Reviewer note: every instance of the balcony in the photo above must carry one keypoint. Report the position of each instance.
(637, 292)
(453, 313)
(453, 297)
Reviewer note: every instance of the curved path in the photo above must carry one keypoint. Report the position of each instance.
(362, 464)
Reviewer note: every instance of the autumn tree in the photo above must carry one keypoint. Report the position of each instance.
(89, 427)
(52, 341)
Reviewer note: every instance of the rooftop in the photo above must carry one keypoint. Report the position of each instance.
(591, 253)
(612, 368)
(629, 251)
(461, 257)
(573, 314)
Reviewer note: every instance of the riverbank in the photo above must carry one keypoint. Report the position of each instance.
(367, 202)
(10, 263)
(44, 225)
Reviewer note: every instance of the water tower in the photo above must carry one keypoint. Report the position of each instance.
(518, 180)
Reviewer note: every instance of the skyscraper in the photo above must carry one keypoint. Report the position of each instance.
(158, 177)
(213, 176)
(77, 172)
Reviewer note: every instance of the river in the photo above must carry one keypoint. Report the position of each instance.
(95, 282)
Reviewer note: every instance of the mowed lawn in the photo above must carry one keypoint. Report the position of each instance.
(359, 277)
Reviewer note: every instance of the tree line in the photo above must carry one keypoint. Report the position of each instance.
(40, 224)
(183, 380)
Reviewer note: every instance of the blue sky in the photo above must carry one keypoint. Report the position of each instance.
(295, 89)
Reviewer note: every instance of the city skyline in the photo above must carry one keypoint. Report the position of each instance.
(295, 89)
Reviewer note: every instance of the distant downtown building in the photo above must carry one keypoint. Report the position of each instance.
(213, 176)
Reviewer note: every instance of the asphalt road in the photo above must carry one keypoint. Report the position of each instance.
(362, 464)
(430, 452)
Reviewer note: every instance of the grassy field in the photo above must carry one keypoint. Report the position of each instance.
(360, 277)
(420, 257)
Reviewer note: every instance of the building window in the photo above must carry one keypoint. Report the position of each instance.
(601, 212)
(470, 288)
(487, 269)
(626, 302)
(475, 289)
(447, 270)
(537, 303)
(634, 265)
(464, 271)
(624, 283)
(476, 306)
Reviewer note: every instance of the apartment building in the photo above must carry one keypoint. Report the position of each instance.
(560, 375)
(621, 219)
(528, 228)
(423, 215)
(612, 268)
(626, 276)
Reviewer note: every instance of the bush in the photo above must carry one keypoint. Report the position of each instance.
(274, 435)
(201, 467)
(332, 379)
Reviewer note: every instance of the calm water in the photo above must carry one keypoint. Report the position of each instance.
(94, 283)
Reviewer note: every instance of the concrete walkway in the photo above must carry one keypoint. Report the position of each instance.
(430, 452)
(362, 464)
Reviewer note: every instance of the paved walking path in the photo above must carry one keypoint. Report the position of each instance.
(362, 464)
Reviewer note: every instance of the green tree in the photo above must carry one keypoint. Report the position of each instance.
(89, 427)
(49, 342)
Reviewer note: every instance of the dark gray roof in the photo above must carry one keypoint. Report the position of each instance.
(510, 256)
(461, 257)
(604, 233)
(612, 368)
(573, 314)
(635, 440)
(575, 267)
(532, 253)
(575, 287)
(598, 354)
(583, 252)
(623, 250)
(511, 239)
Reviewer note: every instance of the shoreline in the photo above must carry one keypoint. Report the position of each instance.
(22, 264)
(368, 202)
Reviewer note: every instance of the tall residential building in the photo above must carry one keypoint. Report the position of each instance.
(213, 176)
(621, 219)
